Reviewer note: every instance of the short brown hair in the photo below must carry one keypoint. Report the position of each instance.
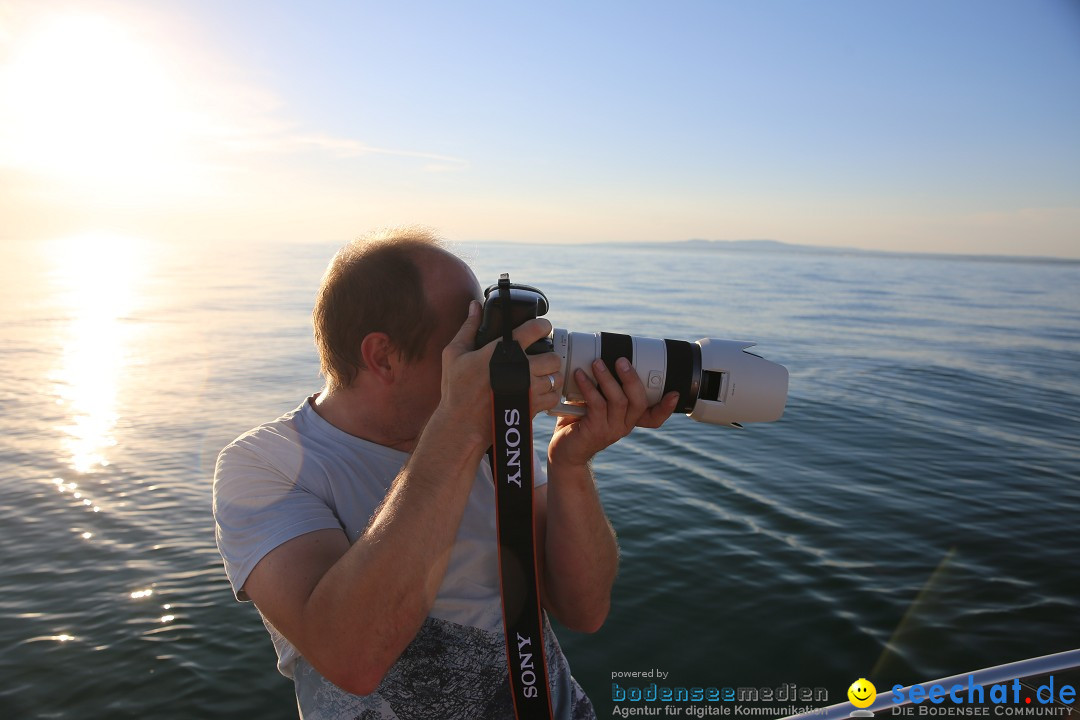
(373, 284)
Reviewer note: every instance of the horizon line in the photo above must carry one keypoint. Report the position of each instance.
(772, 245)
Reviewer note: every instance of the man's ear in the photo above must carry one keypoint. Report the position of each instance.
(381, 357)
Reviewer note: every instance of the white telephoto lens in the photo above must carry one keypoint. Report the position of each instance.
(717, 380)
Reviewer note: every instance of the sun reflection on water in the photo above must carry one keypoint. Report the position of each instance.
(95, 277)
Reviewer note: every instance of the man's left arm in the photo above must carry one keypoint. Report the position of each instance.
(579, 555)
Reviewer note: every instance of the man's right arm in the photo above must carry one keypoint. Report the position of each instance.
(352, 610)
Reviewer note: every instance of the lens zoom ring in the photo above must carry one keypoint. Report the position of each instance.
(680, 373)
(614, 346)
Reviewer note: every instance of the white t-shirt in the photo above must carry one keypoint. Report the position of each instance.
(300, 474)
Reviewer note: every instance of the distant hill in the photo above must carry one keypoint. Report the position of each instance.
(752, 244)
(769, 245)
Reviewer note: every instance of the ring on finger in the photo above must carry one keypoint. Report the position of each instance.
(551, 382)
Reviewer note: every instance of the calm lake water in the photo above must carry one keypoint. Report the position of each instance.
(913, 515)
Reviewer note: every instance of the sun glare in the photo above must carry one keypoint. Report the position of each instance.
(85, 100)
(95, 276)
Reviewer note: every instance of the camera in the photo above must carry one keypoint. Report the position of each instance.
(718, 381)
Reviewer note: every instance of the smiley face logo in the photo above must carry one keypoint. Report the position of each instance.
(862, 693)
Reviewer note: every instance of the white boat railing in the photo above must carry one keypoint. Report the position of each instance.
(989, 676)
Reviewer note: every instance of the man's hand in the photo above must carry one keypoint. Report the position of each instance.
(610, 415)
(580, 556)
(466, 386)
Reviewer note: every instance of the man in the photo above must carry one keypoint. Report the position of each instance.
(362, 524)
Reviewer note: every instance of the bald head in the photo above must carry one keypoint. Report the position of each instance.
(403, 283)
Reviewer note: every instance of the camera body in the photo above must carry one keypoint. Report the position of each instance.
(718, 381)
(526, 303)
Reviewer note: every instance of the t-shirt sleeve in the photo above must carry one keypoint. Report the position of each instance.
(258, 505)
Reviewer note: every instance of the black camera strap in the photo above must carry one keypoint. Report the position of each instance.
(512, 459)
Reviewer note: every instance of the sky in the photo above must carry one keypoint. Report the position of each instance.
(918, 126)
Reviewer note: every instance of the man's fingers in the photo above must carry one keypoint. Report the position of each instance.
(593, 399)
(465, 340)
(632, 387)
(546, 391)
(532, 330)
(613, 393)
(544, 364)
(658, 414)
